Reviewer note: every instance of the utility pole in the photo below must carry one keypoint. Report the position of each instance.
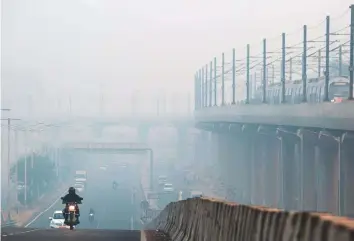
(8, 158)
(70, 105)
(15, 154)
(101, 100)
(351, 60)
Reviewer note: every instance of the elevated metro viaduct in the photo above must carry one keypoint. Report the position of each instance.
(296, 157)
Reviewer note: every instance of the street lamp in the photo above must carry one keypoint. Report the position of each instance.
(8, 156)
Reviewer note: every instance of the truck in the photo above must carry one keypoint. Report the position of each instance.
(80, 176)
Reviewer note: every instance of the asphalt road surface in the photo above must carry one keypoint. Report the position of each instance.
(32, 234)
(115, 210)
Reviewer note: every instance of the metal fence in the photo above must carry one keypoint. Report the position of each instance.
(313, 64)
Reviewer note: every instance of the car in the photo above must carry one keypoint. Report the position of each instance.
(57, 220)
(196, 194)
(79, 186)
(168, 187)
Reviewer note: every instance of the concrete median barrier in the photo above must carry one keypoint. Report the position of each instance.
(204, 218)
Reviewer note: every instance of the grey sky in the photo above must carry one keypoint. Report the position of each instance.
(54, 49)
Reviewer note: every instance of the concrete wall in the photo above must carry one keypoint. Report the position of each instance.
(211, 219)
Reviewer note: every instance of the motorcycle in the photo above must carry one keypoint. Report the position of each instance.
(91, 217)
(114, 185)
(71, 214)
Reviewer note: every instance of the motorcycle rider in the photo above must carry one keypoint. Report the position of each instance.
(71, 197)
(92, 211)
(114, 185)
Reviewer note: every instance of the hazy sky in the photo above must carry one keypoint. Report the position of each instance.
(53, 49)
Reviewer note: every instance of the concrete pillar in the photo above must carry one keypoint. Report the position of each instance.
(272, 148)
(309, 199)
(257, 171)
(143, 133)
(253, 170)
(289, 173)
(329, 154)
(214, 150)
(262, 161)
(237, 166)
(183, 144)
(201, 144)
(224, 158)
(347, 176)
(248, 163)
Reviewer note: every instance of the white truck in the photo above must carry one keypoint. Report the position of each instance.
(80, 176)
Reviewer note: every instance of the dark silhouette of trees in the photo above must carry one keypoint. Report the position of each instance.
(40, 174)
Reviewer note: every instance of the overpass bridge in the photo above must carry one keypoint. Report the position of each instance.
(143, 124)
(113, 148)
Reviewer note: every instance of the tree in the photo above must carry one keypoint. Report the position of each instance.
(40, 173)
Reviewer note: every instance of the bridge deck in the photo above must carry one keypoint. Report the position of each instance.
(320, 115)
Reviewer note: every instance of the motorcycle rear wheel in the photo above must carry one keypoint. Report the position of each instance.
(71, 221)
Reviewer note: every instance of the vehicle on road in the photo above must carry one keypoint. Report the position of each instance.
(57, 220)
(162, 179)
(91, 217)
(79, 187)
(168, 187)
(114, 185)
(180, 195)
(72, 215)
(80, 176)
(196, 194)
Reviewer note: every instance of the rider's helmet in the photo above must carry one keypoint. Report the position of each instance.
(71, 190)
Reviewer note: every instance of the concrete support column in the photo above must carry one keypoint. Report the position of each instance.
(143, 133)
(309, 197)
(253, 170)
(257, 171)
(326, 187)
(271, 184)
(201, 144)
(289, 173)
(214, 150)
(224, 158)
(238, 167)
(347, 176)
(329, 162)
(262, 161)
(183, 144)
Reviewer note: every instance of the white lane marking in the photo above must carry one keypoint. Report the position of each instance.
(41, 213)
(28, 231)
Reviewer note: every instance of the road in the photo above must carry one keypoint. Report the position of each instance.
(31, 234)
(115, 209)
